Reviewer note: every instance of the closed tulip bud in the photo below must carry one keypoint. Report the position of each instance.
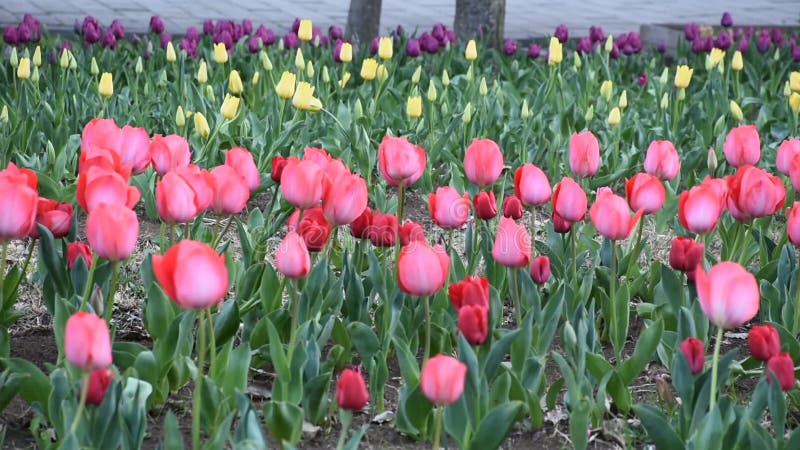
(525, 112)
(351, 390)
(512, 207)
(794, 102)
(614, 117)
(623, 100)
(106, 86)
(87, 342)
(180, 117)
(381, 72)
(229, 107)
(736, 111)
(326, 76)
(139, 68)
(764, 342)
(266, 63)
(721, 67)
(485, 205)
(13, 58)
(24, 69)
(737, 63)
(235, 83)
(540, 269)
(576, 60)
(310, 69)
(442, 379)
(256, 77)
(421, 269)
(201, 125)
(369, 69)
(64, 60)
(192, 274)
(607, 89)
(35, 75)
(664, 78)
(570, 338)
(299, 61)
(73, 63)
(305, 30)
(683, 76)
(467, 116)
(431, 91)
(693, 352)
(473, 323)
(609, 44)
(445, 78)
(220, 53)
(483, 89)
(4, 114)
(346, 52)
(209, 94)
(777, 55)
(171, 56)
(728, 294)
(685, 254)
(471, 52)
(555, 51)
(782, 367)
(37, 56)
(787, 90)
(589, 114)
(304, 99)
(358, 110)
(344, 80)
(417, 74)
(385, 49)
(286, 85)
(664, 101)
(414, 106)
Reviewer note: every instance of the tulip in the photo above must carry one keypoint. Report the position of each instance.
(448, 208)
(97, 186)
(555, 51)
(286, 86)
(728, 294)
(346, 52)
(764, 342)
(24, 69)
(584, 154)
(442, 379)
(700, 207)
(18, 204)
(99, 380)
(782, 367)
(77, 250)
(471, 52)
(540, 269)
(171, 56)
(305, 31)
(787, 151)
(106, 86)
(385, 49)
(87, 342)
(794, 81)
(235, 83)
(292, 258)
(202, 72)
(414, 107)
(483, 162)
(301, 183)
(192, 274)
(201, 125)
(512, 245)
(793, 224)
(360, 227)
(794, 102)
(220, 53)
(469, 291)
(183, 194)
(313, 228)
(692, 349)
(742, 146)
(754, 192)
(569, 200)
(614, 117)
(169, 152)
(512, 207)
(473, 323)
(685, 255)
(400, 162)
(134, 148)
(351, 390)
(662, 160)
(411, 232)
(344, 199)
(611, 215)
(683, 76)
(241, 160)
(485, 205)
(421, 269)
(112, 230)
(304, 99)
(645, 192)
(560, 225)
(531, 185)
(369, 69)
(230, 191)
(607, 89)
(55, 216)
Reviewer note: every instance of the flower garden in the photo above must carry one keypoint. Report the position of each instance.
(242, 240)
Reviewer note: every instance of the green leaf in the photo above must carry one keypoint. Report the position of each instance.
(226, 322)
(284, 421)
(658, 428)
(497, 353)
(235, 379)
(643, 353)
(249, 429)
(495, 426)
(158, 312)
(173, 438)
(365, 340)
(35, 386)
(277, 354)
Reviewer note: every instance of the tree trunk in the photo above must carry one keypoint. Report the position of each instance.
(363, 20)
(482, 19)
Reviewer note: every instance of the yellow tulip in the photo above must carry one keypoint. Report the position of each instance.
(736, 111)
(369, 69)
(201, 125)
(37, 56)
(414, 106)
(235, 83)
(306, 30)
(609, 43)
(304, 99)
(623, 100)
(266, 63)
(794, 81)
(229, 107)
(64, 60)
(614, 117)
(171, 56)
(483, 89)
(445, 78)
(346, 52)
(606, 89)
(180, 117)
(471, 52)
(683, 76)
(385, 48)
(382, 72)
(787, 89)
(326, 76)
(310, 69)
(344, 80)
(220, 53)
(256, 77)
(285, 87)
(202, 72)
(715, 57)
(555, 51)
(737, 63)
(431, 91)
(106, 86)
(794, 102)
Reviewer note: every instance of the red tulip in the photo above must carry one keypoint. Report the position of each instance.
(787, 151)
(782, 366)
(344, 199)
(728, 294)
(230, 191)
(169, 152)
(99, 381)
(301, 183)
(192, 274)
(485, 205)
(685, 255)
(700, 207)
(101, 133)
(611, 215)
(292, 258)
(134, 148)
(410, 232)
(241, 160)
(97, 186)
(384, 230)
(351, 390)
(754, 192)
(531, 185)
(53, 215)
(448, 208)
(662, 160)
(18, 203)
(77, 250)
(112, 231)
(742, 146)
(512, 246)
(569, 200)
(87, 343)
(483, 162)
(645, 192)
(512, 207)
(314, 228)
(473, 323)
(764, 342)
(400, 161)
(183, 194)
(559, 224)
(277, 165)
(540, 269)
(359, 228)
(422, 269)
(442, 379)
(793, 224)
(692, 349)
(469, 291)
(584, 154)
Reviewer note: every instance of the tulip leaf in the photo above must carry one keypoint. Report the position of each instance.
(643, 352)
(248, 429)
(284, 421)
(658, 428)
(364, 339)
(495, 426)
(34, 386)
(777, 405)
(277, 354)
(158, 312)
(52, 261)
(173, 438)
(497, 353)
(226, 322)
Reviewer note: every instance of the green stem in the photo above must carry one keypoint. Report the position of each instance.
(426, 301)
(87, 290)
(715, 369)
(112, 290)
(187, 231)
(796, 325)
(515, 292)
(212, 340)
(743, 254)
(198, 383)
(346, 418)
(171, 240)
(438, 428)
(295, 309)
(82, 404)
(215, 230)
(31, 246)
(225, 230)
(612, 295)
(3, 255)
(574, 236)
(533, 232)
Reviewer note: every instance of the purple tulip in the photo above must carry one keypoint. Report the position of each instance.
(247, 26)
(451, 36)
(156, 25)
(596, 34)
(336, 50)
(662, 47)
(117, 28)
(439, 32)
(509, 47)
(254, 44)
(691, 31)
(165, 39)
(223, 25)
(91, 30)
(290, 40)
(738, 33)
(642, 80)
(562, 33)
(777, 36)
(335, 33)
(189, 46)
(24, 33)
(635, 41)
(35, 27)
(266, 34)
(584, 45)
(52, 56)
(224, 37)
(709, 43)
(413, 48)
(533, 51)
(65, 45)
(208, 27)
(763, 42)
(723, 40)
(296, 25)
(727, 20)
(10, 35)
(237, 31)
(744, 44)
(109, 40)
(614, 54)
(428, 43)
(796, 53)
(373, 47)
(192, 34)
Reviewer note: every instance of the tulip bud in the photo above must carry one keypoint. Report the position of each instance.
(266, 63)
(483, 90)
(139, 68)
(623, 100)
(787, 89)
(4, 114)
(606, 89)
(256, 77)
(414, 106)
(467, 116)
(73, 63)
(683, 76)
(37, 56)
(736, 111)
(385, 49)
(180, 117)
(305, 30)
(210, 94)
(13, 58)
(235, 83)
(220, 53)
(201, 125)
(445, 109)
(106, 86)
(589, 114)
(681, 94)
(576, 60)
(229, 107)
(570, 339)
(609, 44)
(162, 79)
(344, 80)
(369, 68)
(525, 111)
(664, 78)
(471, 52)
(445, 78)
(721, 67)
(777, 55)
(470, 73)
(614, 117)
(555, 51)
(664, 101)
(711, 159)
(540, 269)
(346, 52)
(737, 63)
(285, 87)
(326, 76)
(93, 69)
(431, 91)
(299, 61)
(794, 102)
(358, 110)
(64, 60)
(416, 75)
(310, 69)
(171, 56)
(381, 72)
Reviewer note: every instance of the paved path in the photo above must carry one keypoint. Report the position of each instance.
(524, 18)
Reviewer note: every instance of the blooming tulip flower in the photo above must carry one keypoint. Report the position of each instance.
(351, 390)
(662, 160)
(540, 269)
(301, 183)
(754, 192)
(742, 146)
(16, 175)
(782, 367)
(87, 342)
(569, 200)
(764, 342)
(700, 207)
(728, 294)
(97, 186)
(645, 192)
(683, 76)
(400, 162)
(134, 148)
(692, 349)
(183, 194)
(483, 162)
(18, 203)
(787, 151)
(685, 255)
(512, 207)
(169, 152)
(422, 269)
(192, 274)
(77, 250)
(314, 228)
(512, 246)
(383, 230)
(611, 215)
(448, 208)
(485, 205)
(473, 323)
(230, 191)
(584, 154)
(240, 159)
(344, 199)
(410, 232)
(292, 258)
(469, 291)
(112, 230)
(531, 185)
(442, 379)
(359, 228)
(55, 216)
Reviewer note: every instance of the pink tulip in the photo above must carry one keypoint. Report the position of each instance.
(169, 152)
(754, 192)
(344, 199)
(611, 215)
(512, 245)
(292, 258)
(77, 250)
(18, 204)
(192, 274)
(112, 231)
(134, 148)
(301, 183)
(662, 160)
(787, 151)
(101, 133)
(569, 200)
(183, 194)
(483, 162)
(98, 185)
(742, 146)
(400, 161)
(87, 342)
(99, 380)
(317, 155)
(442, 379)
(421, 269)
(645, 192)
(230, 191)
(107, 160)
(448, 208)
(700, 207)
(241, 160)
(584, 154)
(53, 215)
(728, 294)
(793, 224)
(540, 269)
(17, 175)
(531, 185)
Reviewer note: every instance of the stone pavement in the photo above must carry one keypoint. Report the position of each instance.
(524, 18)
